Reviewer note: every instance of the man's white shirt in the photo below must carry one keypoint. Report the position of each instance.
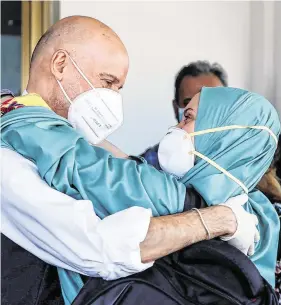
(66, 232)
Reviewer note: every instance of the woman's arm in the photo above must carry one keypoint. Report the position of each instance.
(115, 151)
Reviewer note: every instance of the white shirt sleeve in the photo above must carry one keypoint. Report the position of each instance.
(66, 232)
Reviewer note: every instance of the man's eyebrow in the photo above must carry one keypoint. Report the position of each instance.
(114, 78)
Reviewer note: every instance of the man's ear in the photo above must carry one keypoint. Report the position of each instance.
(59, 63)
(176, 109)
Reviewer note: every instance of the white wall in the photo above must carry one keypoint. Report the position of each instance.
(277, 56)
(265, 44)
(161, 37)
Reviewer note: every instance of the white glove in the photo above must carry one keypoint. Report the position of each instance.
(246, 233)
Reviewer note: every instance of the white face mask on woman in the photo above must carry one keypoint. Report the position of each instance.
(95, 113)
(174, 152)
(177, 153)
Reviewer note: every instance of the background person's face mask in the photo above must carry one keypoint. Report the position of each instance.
(180, 113)
(176, 151)
(95, 113)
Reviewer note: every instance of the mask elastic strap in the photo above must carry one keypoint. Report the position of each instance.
(90, 84)
(65, 94)
(80, 71)
(220, 169)
(211, 130)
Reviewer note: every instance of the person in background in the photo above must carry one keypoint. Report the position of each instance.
(192, 78)
(189, 81)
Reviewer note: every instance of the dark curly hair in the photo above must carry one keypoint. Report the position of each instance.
(198, 68)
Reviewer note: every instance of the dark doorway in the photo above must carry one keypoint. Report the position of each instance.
(11, 45)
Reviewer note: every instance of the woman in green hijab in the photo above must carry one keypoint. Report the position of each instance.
(222, 148)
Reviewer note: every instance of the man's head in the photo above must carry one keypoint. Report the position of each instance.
(192, 78)
(94, 47)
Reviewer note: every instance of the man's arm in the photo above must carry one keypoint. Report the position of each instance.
(168, 234)
(67, 233)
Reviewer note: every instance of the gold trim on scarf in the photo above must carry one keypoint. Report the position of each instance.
(223, 128)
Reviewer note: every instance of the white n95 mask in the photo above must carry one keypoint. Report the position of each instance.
(175, 152)
(95, 113)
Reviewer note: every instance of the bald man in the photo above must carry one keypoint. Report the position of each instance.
(44, 221)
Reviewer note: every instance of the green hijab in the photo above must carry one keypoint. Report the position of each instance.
(245, 153)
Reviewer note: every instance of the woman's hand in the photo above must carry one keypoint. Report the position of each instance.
(246, 234)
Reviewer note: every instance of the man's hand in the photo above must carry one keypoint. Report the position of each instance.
(246, 233)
